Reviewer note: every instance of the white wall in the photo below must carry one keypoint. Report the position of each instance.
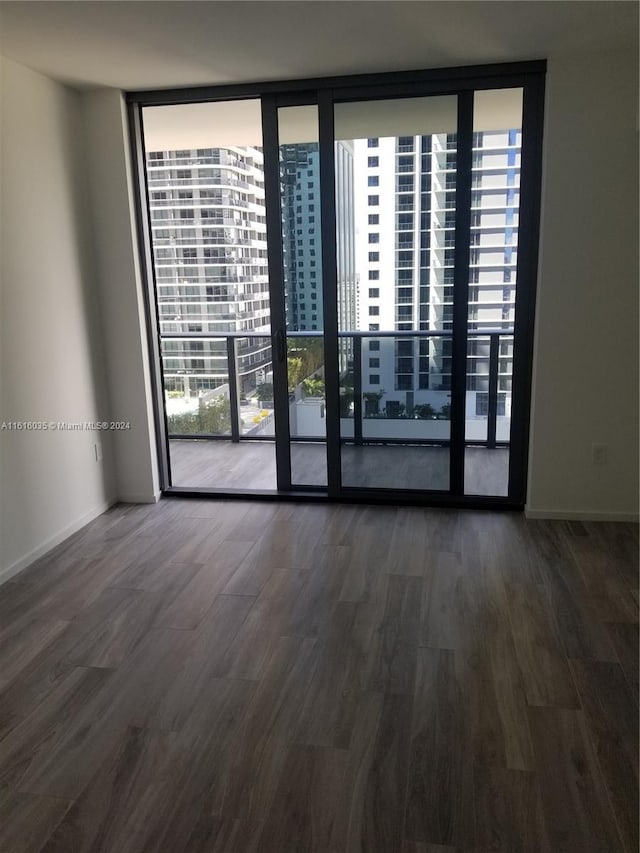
(586, 352)
(121, 296)
(52, 368)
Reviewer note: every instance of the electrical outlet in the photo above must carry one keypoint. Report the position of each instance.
(600, 454)
(97, 448)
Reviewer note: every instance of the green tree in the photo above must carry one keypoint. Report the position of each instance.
(313, 387)
(372, 403)
(425, 410)
(264, 391)
(213, 418)
(295, 372)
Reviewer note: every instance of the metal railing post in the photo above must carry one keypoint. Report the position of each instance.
(494, 344)
(233, 388)
(357, 390)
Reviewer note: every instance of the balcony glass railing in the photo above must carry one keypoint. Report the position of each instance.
(394, 386)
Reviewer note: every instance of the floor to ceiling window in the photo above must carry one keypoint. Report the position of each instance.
(341, 283)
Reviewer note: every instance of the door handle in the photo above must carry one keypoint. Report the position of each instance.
(279, 343)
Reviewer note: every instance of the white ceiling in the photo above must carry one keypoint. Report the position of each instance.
(149, 44)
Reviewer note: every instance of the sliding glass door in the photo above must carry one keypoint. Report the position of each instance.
(342, 291)
(206, 197)
(395, 186)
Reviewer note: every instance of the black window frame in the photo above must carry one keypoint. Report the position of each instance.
(462, 81)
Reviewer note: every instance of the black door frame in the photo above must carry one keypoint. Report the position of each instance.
(460, 81)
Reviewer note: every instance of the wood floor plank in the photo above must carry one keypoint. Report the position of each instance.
(93, 728)
(409, 543)
(117, 637)
(211, 738)
(36, 739)
(126, 798)
(370, 559)
(264, 625)
(612, 720)
(194, 676)
(270, 717)
(26, 642)
(510, 699)
(385, 795)
(26, 822)
(508, 811)
(581, 633)
(206, 661)
(447, 604)
(311, 614)
(329, 713)
(189, 607)
(395, 647)
(221, 835)
(576, 808)
(440, 783)
(543, 663)
(40, 676)
(303, 811)
(609, 589)
(284, 544)
(626, 640)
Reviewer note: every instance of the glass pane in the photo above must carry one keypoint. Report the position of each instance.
(302, 267)
(495, 201)
(398, 216)
(205, 182)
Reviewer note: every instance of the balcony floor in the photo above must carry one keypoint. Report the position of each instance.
(251, 465)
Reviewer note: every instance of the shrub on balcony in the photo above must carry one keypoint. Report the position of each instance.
(211, 419)
(313, 387)
(425, 411)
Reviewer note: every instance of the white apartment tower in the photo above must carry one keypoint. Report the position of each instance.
(405, 207)
(210, 257)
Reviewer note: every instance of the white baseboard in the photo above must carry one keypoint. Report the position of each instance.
(12, 570)
(581, 515)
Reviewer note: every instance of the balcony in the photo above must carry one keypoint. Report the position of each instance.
(224, 436)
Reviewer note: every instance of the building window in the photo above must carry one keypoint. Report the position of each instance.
(374, 275)
(374, 219)
(373, 180)
(482, 405)
(372, 142)
(373, 162)
(374, 327)
(374, 379)
(374, 237)
(374, 256)
(373, 200)
(374, 346)
(374, 311)
(374, 293)
(374, 362)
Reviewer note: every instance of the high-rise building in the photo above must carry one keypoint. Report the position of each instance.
(405, 207)
(301, 246)
(210, 257)
(301, 236)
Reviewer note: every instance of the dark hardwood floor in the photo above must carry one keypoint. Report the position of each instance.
(203, 676)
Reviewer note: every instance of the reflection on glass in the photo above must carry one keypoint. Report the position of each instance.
(395, 389)
(495, 201)
(302, 269)
(205, 181)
